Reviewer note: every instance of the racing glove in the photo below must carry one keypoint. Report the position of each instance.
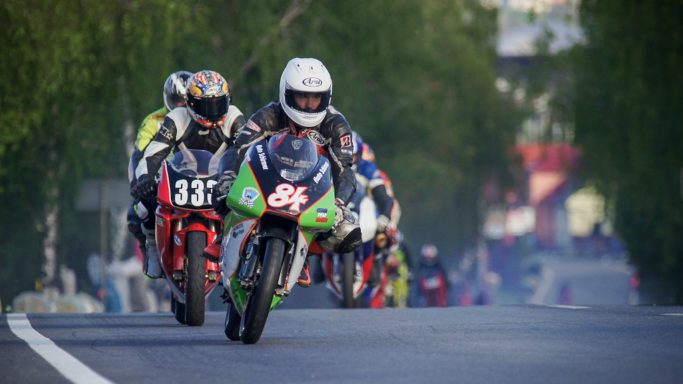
(145, 188)
(342, 212)
(220, 191)
(382, 223)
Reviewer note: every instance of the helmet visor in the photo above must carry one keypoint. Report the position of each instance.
(210, 108)
(306, 101)
(174, 100)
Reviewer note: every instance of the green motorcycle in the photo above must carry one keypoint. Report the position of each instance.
(281, 200)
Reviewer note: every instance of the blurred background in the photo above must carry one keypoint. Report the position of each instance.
(537, 144)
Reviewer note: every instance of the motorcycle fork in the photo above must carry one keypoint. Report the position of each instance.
(286, 267)
(180, 271)
(180, 228)
(248, 264)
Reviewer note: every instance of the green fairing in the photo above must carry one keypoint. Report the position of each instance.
(309, 236)
(240, 296)
(238, 202)
(308, 218)
(230, 220)
(238, 199)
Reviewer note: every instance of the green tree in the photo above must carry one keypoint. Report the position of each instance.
(628, 121)
(416, 79)
(68, 68)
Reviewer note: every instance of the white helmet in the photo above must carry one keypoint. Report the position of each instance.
(305, 76)
(175, 88)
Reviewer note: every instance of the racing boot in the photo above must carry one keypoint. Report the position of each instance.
(151, 266)
(304, 279)
(135, 227)
(212, 252)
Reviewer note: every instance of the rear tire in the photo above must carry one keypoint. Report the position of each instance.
(196, 279)
(258, 306)
(315, 268)
(348, 279)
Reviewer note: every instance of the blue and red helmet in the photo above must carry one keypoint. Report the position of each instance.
(208, 98)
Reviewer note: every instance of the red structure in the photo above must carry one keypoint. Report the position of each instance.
(549, 168)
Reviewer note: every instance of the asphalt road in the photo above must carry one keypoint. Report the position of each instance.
(590, 281)
(495, 344)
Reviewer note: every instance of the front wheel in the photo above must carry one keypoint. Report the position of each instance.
(258, 307)
(178, 310)
(195, 282)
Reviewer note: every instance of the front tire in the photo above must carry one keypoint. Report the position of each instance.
(232, 323)
(258, 306)
(196, 279)
(178, 310)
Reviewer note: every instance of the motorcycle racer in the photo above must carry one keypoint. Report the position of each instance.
(373, 181)
(175, 87)
(304, 110)
(431, 278)
(209, 122)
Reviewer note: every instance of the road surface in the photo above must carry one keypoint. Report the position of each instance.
(493, 344)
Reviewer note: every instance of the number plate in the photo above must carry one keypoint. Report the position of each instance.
(190, 192)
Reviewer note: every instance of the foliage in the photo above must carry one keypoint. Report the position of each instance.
(629, 89)
(416, 79)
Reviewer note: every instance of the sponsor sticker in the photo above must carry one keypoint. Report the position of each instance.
(166, 133)
(322, 215)
(249, 195)
(346, 141)
(346, 151)
(237, 231)
(321, 172)
(312, 82)
(253, 126)
(316, 137)
(262, 157)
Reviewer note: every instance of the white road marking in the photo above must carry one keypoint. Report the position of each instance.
(67, 365)
(547, 278)
(671, 314)
(568, 306)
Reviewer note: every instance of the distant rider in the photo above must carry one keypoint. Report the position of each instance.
(431, 278)
(371, 182)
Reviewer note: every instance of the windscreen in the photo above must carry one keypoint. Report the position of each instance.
(193, 162)
(292, 156)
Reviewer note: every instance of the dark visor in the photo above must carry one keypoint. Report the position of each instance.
(213, 108)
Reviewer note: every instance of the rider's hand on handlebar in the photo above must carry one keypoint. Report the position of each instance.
(145, 188)
(382, 223)
(224, 183)
(220, 192)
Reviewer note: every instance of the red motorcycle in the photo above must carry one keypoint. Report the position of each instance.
(185, 224)
(348, 274)
(433, 287)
